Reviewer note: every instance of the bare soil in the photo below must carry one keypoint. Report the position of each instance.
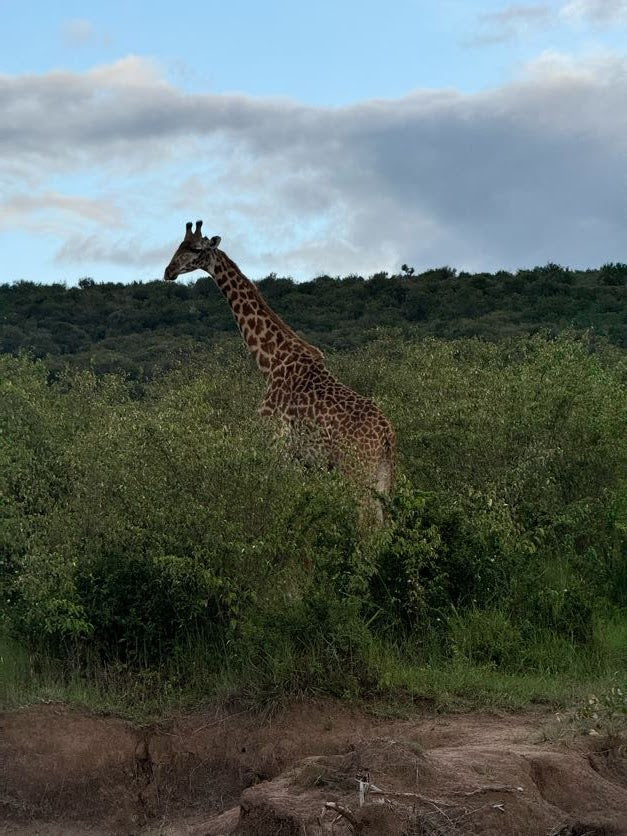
(64, 772)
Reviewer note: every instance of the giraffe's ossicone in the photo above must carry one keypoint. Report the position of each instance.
(347, 428)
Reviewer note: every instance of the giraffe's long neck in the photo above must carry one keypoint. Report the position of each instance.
(263, 331)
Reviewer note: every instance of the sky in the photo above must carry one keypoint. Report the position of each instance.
(336, 137)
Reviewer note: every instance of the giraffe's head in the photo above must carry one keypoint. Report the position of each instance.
(195, 252)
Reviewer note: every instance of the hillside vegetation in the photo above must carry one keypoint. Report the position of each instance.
(156, 539)
(140, 329)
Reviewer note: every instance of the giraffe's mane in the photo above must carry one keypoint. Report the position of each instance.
(274, 317)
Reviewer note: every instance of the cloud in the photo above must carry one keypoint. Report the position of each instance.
(523, 19)
(600, 12)
(529, 172)
(23, 208)
(509, 23)
(77, 32)
(126, 251)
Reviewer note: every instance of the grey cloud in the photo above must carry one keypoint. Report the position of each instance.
(130, 251)
(122, 116)
(518, 12)
(77, 32)
(21, 208)
(520, 19)
(527, 173)
(509, 22)
(600, 12)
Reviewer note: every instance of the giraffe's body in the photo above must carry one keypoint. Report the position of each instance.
(349, 429)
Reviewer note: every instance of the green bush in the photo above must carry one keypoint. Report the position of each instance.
(485, 637)
(136, 520)
(155, 516)
(318, 643)
(434, 555)
(140, 605)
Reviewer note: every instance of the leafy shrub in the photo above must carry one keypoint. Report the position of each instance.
(560, 603)
(136, 519)
(433, 556)
(161, 515)
(140, 605)
(485, 637)
(317, 643)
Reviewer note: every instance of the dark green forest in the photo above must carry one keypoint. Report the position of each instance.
(139, 329)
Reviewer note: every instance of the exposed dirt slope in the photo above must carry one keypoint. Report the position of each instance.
(67, 772)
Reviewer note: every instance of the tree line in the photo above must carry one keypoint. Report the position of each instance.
(138, 328)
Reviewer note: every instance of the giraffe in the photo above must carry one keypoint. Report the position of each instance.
(348, 429)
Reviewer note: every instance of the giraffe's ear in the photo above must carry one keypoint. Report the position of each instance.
(215, 241)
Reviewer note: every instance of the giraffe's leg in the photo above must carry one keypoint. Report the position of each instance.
(384, 476)
(381, 481)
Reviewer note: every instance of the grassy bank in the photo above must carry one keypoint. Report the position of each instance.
(398, 683)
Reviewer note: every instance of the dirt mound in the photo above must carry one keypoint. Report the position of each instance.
(465, 790)
(65, 772)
